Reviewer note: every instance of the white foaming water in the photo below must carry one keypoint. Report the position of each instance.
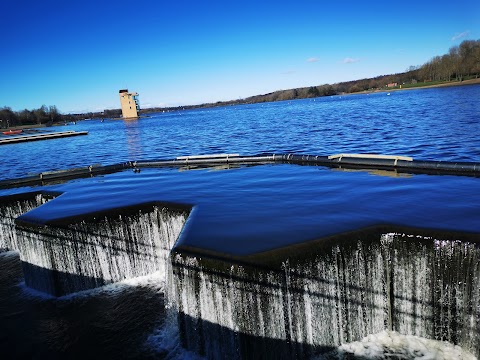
(155, 281)
(217, 306)
(437, 289)
(166, 341)
(390, 344)
(88, 255)
(9, 212)
(132, 252)
(163, 341)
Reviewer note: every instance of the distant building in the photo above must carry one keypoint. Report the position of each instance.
(392, 85)
(130, 104)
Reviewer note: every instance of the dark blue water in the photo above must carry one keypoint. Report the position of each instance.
(241, 210)
(246, 210)
(287, 203)
(429, 124)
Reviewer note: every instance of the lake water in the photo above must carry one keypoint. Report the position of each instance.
(430, 124)
(260, 207)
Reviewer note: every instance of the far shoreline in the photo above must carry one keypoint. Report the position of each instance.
(445, 84)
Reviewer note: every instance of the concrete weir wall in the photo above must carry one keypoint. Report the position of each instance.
(412, 285)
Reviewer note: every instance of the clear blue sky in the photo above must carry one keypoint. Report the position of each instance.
(78, 54)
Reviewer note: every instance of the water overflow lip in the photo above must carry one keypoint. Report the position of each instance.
(29, 195)
(274, 259)
(348, 161)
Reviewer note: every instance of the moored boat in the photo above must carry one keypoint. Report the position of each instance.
(12, 132)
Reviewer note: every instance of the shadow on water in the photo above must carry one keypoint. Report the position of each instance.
(112, 321)
(229, 344)
(58, 283)
(108, 323)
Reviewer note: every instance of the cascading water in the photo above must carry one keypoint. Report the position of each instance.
(230, 312)
(337, 294)
(10, 208)
(81, 253)
(344, 287)
(412, 285)
(89, 253)
(436, 287)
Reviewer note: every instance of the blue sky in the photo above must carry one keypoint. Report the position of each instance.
(72, 54)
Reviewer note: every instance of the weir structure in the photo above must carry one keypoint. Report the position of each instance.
(291, 301)
(400, 164)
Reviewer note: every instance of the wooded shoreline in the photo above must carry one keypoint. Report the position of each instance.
(180, 108)
(460, 66)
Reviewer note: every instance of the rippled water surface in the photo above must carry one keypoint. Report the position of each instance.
(428, 124)
(433, 124)
(271, 205)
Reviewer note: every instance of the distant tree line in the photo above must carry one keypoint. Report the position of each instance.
(42, 115)
(461, 62)
(47, 116)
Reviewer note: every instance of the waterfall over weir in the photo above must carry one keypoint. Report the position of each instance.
(13, 206)
(412, 285)
(91, 251)
(271, 305)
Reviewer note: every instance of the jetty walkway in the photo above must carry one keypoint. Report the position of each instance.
(43, 136)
